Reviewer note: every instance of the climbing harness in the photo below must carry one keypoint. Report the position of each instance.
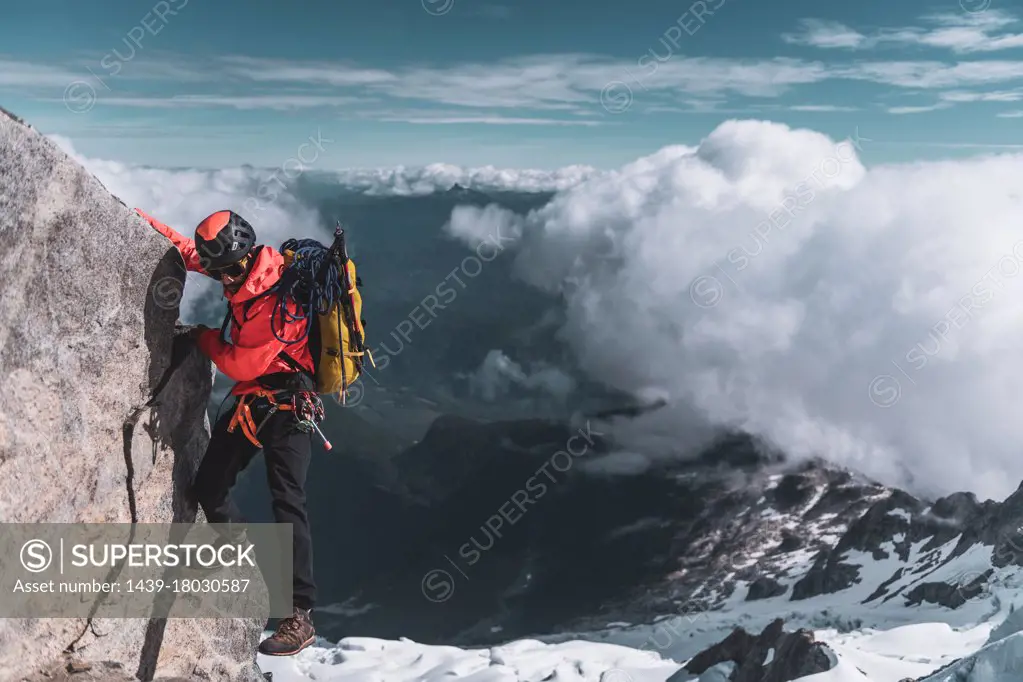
(307, 408)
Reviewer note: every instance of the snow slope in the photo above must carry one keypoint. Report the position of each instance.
(874, 640)
(863, 656)
(869, 654)
(356, 659)
(910, 651)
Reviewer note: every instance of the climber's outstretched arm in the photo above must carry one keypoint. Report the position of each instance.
(184, 245)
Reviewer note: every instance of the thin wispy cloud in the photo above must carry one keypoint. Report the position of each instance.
(934, 74)
(572, 83)
(546, 81)
(541, 89)
(826, 34)
(308, 72)
(705, 108)
(991, 96)
(275, 102)
(969, 145)
(961, 32)
(822, 108)
(917, 109)
(15, 73)
(464, 81)
(490, 120)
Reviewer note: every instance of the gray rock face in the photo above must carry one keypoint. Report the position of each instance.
(88, 305)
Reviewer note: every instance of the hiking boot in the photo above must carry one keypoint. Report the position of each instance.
(293, 634)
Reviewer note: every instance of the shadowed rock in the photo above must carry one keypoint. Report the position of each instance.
(949, 595)
(765, 587)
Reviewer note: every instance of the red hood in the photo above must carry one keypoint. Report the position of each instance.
(264, 274)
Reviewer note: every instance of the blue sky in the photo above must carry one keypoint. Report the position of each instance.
(510, 83)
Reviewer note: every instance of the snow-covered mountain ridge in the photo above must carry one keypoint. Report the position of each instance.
(897, 587)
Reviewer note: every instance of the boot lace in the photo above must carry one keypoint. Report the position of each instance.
(290, 625)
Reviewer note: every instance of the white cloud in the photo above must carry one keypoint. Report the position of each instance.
(278, 102)
(961, 32)
(498, 375)
(675, 278)
(324, 73)
(574, 82)
(442, 176)
(490, 120)
(184, 194)
(15, 73)
(825, 34)
(565, 81)
(1011, 114)
(755, 78)
(934, 74)
(541, 82)
(821, 108)
(918, 109)
(968, 145)
(992, 96)
(474, 225)
(949, 98)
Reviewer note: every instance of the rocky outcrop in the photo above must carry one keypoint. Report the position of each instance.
(883, 521)
(948, 595)
(467, 194)
(772, 656)
(765, 587)
(88, 304)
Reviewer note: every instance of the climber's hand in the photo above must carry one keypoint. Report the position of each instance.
(196, 331)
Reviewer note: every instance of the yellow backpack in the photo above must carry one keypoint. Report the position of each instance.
(324, 281)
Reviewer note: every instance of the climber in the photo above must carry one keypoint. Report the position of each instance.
(270, 393)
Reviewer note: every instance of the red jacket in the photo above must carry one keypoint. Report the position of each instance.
(254, 349)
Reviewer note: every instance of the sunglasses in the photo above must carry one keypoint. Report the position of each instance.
(231, 271)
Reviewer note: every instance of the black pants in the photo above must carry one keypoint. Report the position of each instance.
(287, 452)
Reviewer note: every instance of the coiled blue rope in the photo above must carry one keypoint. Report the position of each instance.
(312, 281)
